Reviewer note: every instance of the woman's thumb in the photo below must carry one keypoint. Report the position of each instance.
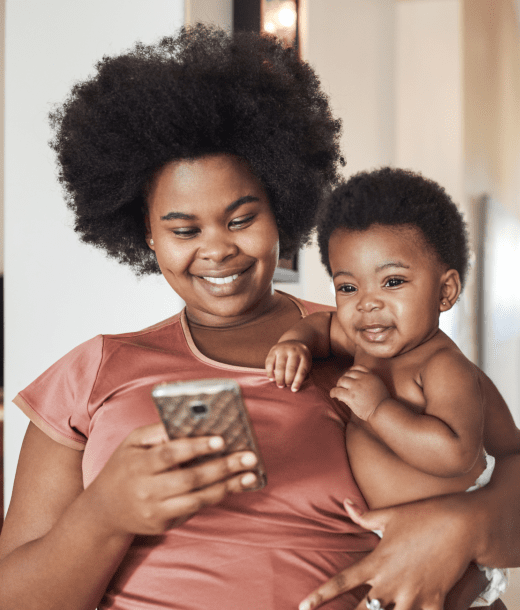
(369, 520)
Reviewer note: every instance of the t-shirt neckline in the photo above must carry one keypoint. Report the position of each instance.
(231, 367)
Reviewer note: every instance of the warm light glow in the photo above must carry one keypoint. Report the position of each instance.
(280, 17)
(287, 17)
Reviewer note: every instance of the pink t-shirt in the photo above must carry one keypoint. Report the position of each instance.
(262, 550)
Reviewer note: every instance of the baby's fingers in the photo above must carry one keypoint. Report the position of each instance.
(341, 394)
(298, 372)
(270, 362)
(275, 365)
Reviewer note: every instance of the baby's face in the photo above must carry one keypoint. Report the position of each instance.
(388, 287)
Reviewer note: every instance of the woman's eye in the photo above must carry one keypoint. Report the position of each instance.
(394, 282)
(240, 223)
(185, 233)
(346, 288)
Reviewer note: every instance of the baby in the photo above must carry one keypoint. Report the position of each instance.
(396, 247)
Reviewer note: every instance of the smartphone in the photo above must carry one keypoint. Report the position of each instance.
(207, 407)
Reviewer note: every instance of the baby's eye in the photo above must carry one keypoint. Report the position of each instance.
(393, 282)
(185, 233)
(346, 288)
(242, 222)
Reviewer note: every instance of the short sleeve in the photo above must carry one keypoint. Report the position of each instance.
(58, 400)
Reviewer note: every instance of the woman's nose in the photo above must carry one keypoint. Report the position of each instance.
(217, 246)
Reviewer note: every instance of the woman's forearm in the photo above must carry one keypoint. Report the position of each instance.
(67, 569)
(497, 507)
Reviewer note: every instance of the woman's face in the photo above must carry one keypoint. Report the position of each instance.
(215, 238)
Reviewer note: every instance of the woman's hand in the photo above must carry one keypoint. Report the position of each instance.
(288, 363)
(146, 488)
(426, 548)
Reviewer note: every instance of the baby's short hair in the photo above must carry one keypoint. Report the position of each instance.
(390, 197)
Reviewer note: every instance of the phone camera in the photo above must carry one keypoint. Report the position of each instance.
(198, 410)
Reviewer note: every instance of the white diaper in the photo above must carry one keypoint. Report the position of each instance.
(497, 577)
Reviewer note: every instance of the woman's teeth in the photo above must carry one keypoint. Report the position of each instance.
(221, 280)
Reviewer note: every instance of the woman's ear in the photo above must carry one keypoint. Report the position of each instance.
(148, 230)
(450, 289)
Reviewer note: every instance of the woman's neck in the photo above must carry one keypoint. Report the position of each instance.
(267, 306)
(247, 342)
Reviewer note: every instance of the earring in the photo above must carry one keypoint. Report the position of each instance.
(444, 303)
(151, 242)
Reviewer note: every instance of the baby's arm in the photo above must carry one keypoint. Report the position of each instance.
(446, 439)
(289, 361)
(317, 335)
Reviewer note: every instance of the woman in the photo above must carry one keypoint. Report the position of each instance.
(203, 158)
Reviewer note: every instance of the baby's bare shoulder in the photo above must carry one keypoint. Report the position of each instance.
(443, 357)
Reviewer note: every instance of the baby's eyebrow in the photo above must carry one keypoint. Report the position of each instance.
(394, 264)
(349, 273)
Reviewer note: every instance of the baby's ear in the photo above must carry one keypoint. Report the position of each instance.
(450, 289)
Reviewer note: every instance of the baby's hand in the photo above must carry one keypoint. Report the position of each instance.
(361, 390)
(288, 363)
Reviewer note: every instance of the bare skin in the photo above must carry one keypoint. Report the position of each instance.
(61, 544)
(410, 435)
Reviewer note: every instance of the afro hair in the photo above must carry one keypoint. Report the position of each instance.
(390, 197)
(202, 92)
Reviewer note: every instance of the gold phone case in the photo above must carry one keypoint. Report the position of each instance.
(209, 407)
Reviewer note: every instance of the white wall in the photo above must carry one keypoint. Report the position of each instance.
(2, 71)
(58, 291)
(216, 12)
(350, 44)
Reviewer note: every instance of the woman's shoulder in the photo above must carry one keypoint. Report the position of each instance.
(82, 364)
(164, 326)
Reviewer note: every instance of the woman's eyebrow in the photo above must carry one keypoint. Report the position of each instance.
(232, 206)
(178, 216)
(240, 201)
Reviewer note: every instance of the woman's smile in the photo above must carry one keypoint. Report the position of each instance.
(226, 283)
(215, 237)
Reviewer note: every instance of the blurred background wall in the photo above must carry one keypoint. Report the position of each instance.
(431, 85)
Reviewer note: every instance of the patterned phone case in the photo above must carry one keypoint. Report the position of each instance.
(209, 407)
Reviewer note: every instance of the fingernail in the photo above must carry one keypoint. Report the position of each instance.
(248, 479)
(353, 506)
(249, 459)
(216, 442)
(305, 605)
(280, 386)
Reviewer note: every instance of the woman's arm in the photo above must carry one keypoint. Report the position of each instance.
(500, 499)
(60, 544)
(428, 545)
